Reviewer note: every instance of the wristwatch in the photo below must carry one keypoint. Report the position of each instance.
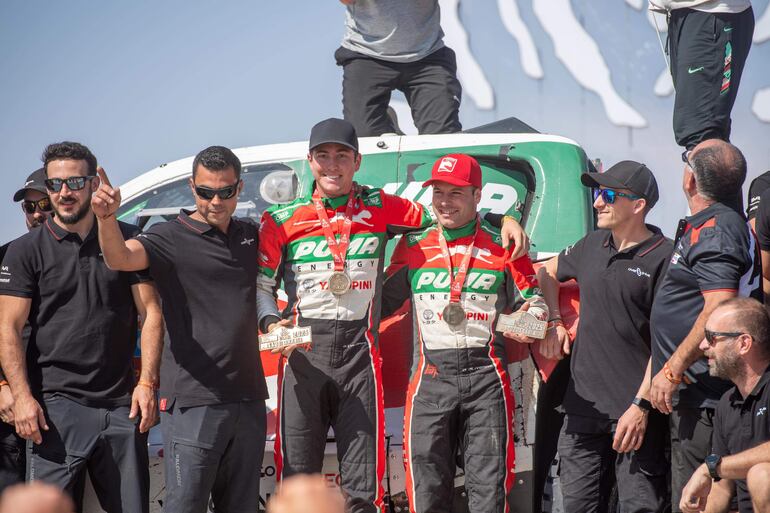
(712, 462)
(642, 403)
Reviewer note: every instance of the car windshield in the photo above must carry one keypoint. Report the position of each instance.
(263, 185)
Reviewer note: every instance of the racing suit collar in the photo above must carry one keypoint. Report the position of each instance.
(333, 203)
(457, 233)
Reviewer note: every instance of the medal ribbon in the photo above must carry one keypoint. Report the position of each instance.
(458, 280)
(339, 250)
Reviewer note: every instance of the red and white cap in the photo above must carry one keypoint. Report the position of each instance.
(456, 169)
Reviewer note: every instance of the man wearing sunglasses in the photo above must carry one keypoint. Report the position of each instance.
(76, 398)
(715, 258)
(608, 421)
(36, 207)
(212, 397)
(737, 345)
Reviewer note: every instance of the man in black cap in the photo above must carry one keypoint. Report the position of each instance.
(609, 422)
(37, 207)
(715, 258)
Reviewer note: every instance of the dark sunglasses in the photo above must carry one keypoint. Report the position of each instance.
(224, 193)
(29, 206)
(609, 196)
(74, 183)
(686, 157)
(711, 336)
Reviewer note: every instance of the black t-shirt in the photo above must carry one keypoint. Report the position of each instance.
(762, 220)
(741, 424)
(82, 316)
(207, 281)
(758, 186)
(610, 354)
(713, 250)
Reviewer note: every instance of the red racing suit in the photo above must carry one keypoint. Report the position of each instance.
(459, 392)
(337, 381)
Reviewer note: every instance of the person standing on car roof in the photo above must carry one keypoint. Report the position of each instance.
(397, 45)
(212, 397)
(708, 43)
(758, 213)
(76, 401)
(37, 208)
(715, 258)
(328, 248)
(609, 424)
(459, 278)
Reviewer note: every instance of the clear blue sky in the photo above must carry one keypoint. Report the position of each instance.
(146, 82)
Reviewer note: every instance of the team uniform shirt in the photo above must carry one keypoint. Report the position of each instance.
(207, 281)
(293, 248)
(714, 250)
(492, 285)
(757, 188)
(612, 347)
(740, 424)
(459, 393)
(762, 220)
(83, 320)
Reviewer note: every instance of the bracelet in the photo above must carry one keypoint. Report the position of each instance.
(511, 218)
(670, 375)
(4, 383)
(148, 384)
(555, 323)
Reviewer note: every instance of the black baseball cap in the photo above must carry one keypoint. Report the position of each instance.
(34, 182)
(334, 130)
(626, 174)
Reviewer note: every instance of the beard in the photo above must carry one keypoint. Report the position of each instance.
(727, 367)
(78, 215)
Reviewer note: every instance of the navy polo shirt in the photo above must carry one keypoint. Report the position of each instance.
(83, 320)
(208, 283)
(713, 250)
(612, 347)
(740, 424)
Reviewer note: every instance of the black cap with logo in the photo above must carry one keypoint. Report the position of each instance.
(334, 130)
(34, 182)
(626, 174)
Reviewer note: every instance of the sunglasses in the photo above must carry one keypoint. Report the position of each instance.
(74, 183)
(224, 193)
(711, 336)
(686, 157)
(29, 206)
(609, 196)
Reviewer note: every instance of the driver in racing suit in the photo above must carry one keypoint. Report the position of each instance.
(459, 392)
(333, 285)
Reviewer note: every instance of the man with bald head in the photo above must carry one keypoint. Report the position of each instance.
(737, 345)
(715, 258)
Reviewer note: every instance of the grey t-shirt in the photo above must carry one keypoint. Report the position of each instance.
(393, 30)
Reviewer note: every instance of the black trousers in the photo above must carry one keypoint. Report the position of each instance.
(430, 86)
(103, 441)
(691, 430)
(708, 52)
(12, 456)
(588, 463)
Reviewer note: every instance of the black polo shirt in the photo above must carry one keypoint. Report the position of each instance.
(762, 220)
(612, 347)
(208, 283)
(713, 250)
(741, 424)
(757, 188)
(82, 316)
